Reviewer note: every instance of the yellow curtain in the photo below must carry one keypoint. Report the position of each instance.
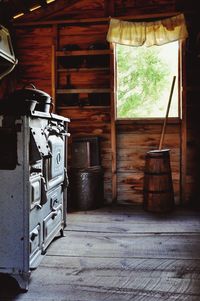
(147, 33)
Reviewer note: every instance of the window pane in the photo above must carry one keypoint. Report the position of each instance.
(144, 78)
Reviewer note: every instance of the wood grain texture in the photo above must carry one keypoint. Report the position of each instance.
(119, 253)
(130, 138)
(86, 25)
(97, 79)
(141, 7)
(133, 142)
(95, 122)
(34, 54)
(71, 9)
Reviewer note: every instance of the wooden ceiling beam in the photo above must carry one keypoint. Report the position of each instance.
(59, 8)
(50, 10)
(95, 20)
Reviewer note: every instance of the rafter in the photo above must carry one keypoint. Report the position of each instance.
(52, 9)
(59, 7)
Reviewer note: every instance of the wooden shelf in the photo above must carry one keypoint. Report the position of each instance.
(98, 65)
(78, 91)
(93, 65)
(83, 52)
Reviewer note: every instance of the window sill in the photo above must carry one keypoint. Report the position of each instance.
(170, 120)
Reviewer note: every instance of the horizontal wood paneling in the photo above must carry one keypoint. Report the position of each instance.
(72, 9)
(84, 114)
(133, 142)
(142, 7)
(33, 49)
(96, 122)
(97, 79)
(84, 36)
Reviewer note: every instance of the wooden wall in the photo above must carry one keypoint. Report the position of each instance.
(33, 50)
(193, 109)
(133, 142)
(86, 121)
(35, 66)
(133, 139)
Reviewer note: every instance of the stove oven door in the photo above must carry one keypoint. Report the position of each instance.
(35, 190)
(56, 163)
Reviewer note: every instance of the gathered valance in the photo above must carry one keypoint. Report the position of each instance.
(147, 33)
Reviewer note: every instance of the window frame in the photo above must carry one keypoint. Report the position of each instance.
(151, 120)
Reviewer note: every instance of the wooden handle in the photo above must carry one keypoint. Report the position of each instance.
(167, 113)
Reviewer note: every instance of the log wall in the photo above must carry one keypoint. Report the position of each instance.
(33, 50)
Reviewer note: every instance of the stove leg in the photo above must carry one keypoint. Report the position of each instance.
(22, 280)
(62, 234)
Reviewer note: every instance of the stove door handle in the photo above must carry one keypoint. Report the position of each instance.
(43, 191)
(66, 134)
(54, 131)
(66, 179)
(38, 206)
(34, 234)
(54, 214)
(54, 204)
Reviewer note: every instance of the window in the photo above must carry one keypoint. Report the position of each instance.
(144, 78)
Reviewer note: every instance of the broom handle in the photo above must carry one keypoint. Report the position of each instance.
(167, 113)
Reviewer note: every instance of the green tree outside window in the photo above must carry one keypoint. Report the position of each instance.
(144, 76)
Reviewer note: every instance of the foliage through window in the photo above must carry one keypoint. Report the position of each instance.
(144, 77)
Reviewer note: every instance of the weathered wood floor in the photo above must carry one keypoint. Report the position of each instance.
(117, 254)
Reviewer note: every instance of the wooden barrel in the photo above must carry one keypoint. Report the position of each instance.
(158, 186)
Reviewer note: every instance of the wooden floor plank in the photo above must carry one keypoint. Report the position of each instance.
(105, 279)
(134, 221)
(109, 245)
(176, 221)
(134, 227)
(113, 254)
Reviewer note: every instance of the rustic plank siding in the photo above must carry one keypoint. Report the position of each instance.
(193, 107)
(69, 10)
(83, 36)
(96, 122)
(142, 7)
(97, 79)
(33, 49)
(133, 142)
